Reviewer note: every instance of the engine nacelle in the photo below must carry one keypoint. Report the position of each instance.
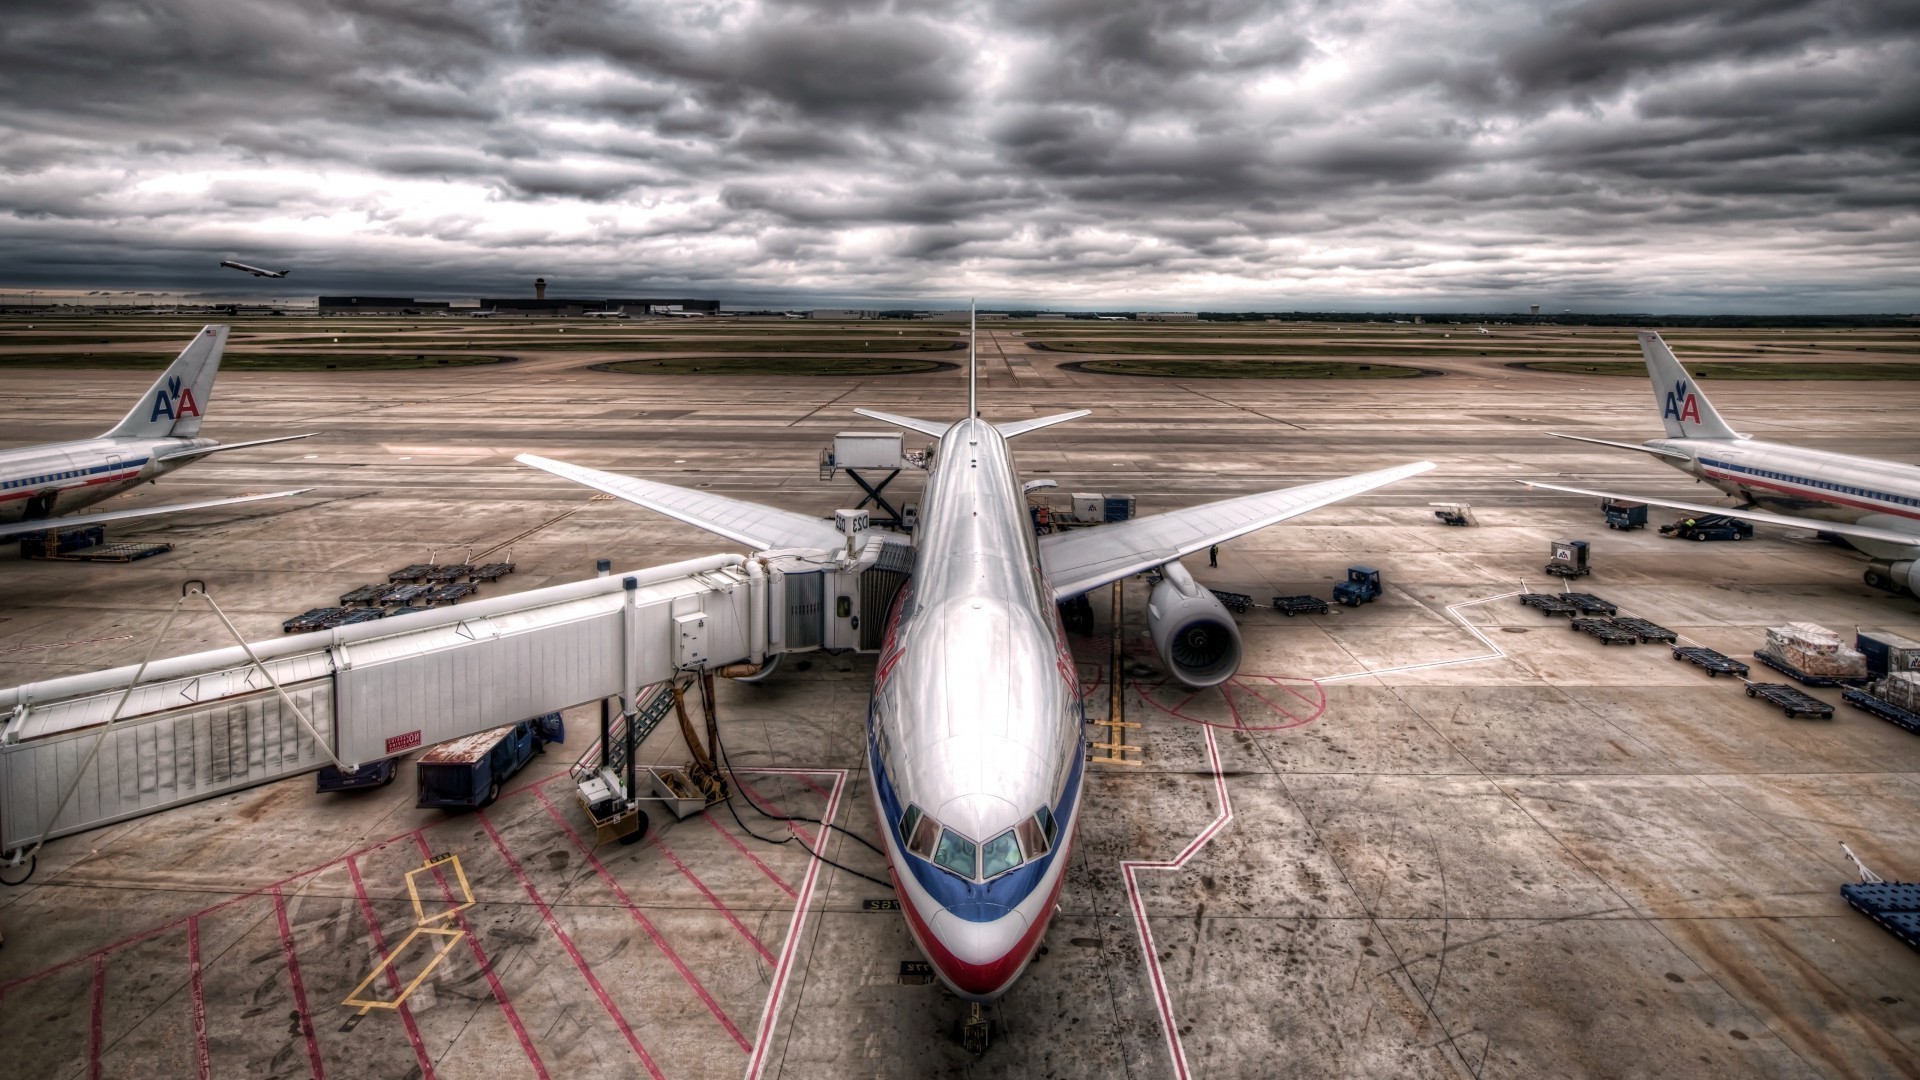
(1895, 576)
(1197, 640)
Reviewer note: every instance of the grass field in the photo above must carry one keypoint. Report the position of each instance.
(235, 361)
(792, 365)
(1757, 371)
(1315, 348)
(1246, 369)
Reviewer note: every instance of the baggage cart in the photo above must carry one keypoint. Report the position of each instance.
(1238, 603)
(1589, 604)
(1715, 663)
(1296, 605)
(1644, 630)
(1882, 708)
(1795, 701)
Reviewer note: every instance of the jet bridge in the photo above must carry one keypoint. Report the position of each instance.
(86, 750)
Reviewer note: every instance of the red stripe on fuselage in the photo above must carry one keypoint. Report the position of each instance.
(108, 479)
(1812, 494)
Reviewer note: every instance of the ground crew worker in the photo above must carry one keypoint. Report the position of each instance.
(1213, 555)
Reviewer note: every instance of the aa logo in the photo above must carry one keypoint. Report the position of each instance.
(173, 401)
(1682, 405)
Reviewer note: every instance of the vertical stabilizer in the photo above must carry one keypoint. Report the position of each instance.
(175, 404)
(1684, 410)
(973, 358)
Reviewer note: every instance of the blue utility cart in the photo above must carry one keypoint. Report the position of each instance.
(467, 773)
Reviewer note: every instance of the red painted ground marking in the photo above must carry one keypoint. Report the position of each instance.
(199, 998)
(135, 939)
(773, 808)
(633, 909)
(480, 955)
(97, 1022)
(393, 977)
(718, 905)
(299, 988)
(566, 942)
(770, 1015)
(813, 787)
(1146, 690)
(751, 857)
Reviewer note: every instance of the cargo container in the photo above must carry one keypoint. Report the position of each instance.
(468, 773)
(1887, 652)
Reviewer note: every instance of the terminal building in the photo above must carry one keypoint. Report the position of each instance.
(536, 305)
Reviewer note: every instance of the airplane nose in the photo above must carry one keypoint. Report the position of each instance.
(980, 957)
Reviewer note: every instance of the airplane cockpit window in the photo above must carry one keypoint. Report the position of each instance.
(1046, 822)
(955, 853)
(1033, 840)
(921, 840)
(999, 855)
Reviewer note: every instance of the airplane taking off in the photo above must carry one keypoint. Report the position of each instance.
(229, 264)
(158, 436)
(974, 728)
(1874, 505)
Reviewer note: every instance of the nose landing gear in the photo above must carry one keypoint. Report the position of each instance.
(977, 1031)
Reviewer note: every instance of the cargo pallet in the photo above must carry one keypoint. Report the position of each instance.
(1796, 702)
(1548, 603)
(1590, 604)
(1895, 905)
(404, 594)
(1882, 708)
(410, 573)
(365, 594)
(492, 571)
(448, 594)
(1608, 633)
(1238, 603)
(1716, 663)
(448, 572)
(1787, 669)
(352, 616)
(1295, 605)
(1645, 630)
(313, 619)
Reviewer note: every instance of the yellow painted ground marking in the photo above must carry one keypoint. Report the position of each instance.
(424, 924)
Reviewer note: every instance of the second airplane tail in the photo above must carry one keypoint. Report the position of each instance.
(1684, 410)
(177, 401)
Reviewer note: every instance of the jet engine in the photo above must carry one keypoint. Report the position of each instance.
(1893, 576)
(1196, 639)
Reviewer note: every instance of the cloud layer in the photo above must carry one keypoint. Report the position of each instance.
(1755, 155)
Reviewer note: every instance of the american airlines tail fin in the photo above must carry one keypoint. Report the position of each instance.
(175, 404)
(1683, 408)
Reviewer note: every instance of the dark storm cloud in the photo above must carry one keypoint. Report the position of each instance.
(1244, 153)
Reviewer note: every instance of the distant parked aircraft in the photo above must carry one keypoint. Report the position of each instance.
(157, 437)
(254, 270)
(614, 314)
(1111, 318)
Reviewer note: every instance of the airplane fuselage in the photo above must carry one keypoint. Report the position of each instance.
(53, 479)
(974, 730)
(1809, 483)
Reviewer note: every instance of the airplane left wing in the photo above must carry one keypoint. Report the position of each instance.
(1087, 558)
(761, 528)
(81, 521)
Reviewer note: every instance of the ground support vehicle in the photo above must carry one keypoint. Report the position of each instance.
(1361, 586)
(1882, 708)
(1644, 630)
(1710, 527)
(492, 571)
(365, 594)
(1895, 905)
(1456, 514)
(1548, 603)
(1589, 604)
(416, 572)
(447, 572)
(1295, 605)
(1795, 701)
(449, 593)
(468, 773)
(1238, 603)
(1605, 631)
(1569, 559)
(312, 619)
(1624, 515)
(350, 616)
(372, 774)
(1715, 663)
(404, 594)
(1781, 665)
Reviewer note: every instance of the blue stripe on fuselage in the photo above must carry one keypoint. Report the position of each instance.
(973, 901)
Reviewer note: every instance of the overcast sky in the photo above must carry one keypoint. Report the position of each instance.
(1601, 155)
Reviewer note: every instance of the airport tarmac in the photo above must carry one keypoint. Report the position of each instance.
(1435, 835)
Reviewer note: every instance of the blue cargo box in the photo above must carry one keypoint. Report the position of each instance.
(468, 773)
(372, 774)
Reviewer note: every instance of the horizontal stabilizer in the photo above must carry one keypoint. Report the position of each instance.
(81, 521)
(1840, 528)
(761, 528)
(1654, 450)
(1020, 427)
(924, 427)
(186, 455)
(1088, 558)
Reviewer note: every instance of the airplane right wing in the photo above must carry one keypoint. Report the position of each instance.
(761, 528)
(1088, 558)
(1841, 528)
(81, 521)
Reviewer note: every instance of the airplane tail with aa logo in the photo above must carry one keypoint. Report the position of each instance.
(176, 403)
(1683, 408)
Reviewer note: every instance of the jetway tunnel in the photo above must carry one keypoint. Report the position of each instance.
(194, 727)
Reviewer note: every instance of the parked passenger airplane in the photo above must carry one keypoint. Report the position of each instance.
(974, 730)
(157, 437)
(1873, 504)
(254, 270)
